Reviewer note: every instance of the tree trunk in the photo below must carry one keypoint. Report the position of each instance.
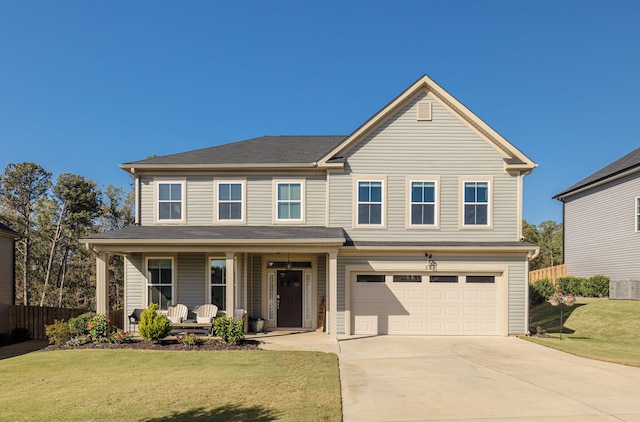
(54, 245)
(64, 274)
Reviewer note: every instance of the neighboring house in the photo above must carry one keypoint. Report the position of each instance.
(601, 216)
(7, 274)
(409, 225)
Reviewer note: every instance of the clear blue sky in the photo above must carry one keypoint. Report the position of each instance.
(85, 86)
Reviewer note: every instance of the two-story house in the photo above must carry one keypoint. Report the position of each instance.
(601, 216)
(409, 225)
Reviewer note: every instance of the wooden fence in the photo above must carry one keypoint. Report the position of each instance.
(552, 273)
(35, 318)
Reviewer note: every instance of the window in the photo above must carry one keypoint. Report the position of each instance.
(402, 278)
(443, 279)
(160, 282)
(218, 282)
(370, 278)
(476, 203)
(370, 202)
(289, 201)
(638, 214)
(481, 279)
(170, 201)
(423, 203)
(230, 201)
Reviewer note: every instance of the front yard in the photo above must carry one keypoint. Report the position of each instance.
(140, 385)
(602, 329)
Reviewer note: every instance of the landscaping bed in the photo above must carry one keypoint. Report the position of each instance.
(167, 344)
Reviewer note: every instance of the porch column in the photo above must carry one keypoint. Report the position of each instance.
(102, 286)
(333, 295)
(231, 300)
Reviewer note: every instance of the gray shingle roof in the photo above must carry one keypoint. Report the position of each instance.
(219, 233)
(263, 150)
(625, 163)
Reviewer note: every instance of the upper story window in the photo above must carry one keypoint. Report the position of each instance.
(423, 203)
(476, 203)
(370, 203)
(230, 199)
(170, 201)
(289, 204)
(160, 282)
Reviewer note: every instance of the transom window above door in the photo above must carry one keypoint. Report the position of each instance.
(170, 201)
(230, 201)
(289, 201)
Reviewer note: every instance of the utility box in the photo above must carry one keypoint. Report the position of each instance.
(624, 289)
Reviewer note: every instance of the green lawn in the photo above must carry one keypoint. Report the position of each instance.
(602, 329)
(135, 385)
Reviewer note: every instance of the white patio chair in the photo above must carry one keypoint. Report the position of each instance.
(206, 313)
(177, 314)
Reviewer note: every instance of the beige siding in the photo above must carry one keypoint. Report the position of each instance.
(6, 281)
(190, 280)
(200, 205)
(134, 286)
(599, 231)
(259, 200)
(445, 147)
(146, 201)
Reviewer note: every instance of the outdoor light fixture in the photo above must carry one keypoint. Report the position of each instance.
(432, 265)
(289, 266)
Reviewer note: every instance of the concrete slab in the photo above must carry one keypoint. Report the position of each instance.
(393, 378)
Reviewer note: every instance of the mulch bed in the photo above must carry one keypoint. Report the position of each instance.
(210, 345)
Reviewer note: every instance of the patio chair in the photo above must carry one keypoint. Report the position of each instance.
(206, 313)
(177, 314)
(134, 318)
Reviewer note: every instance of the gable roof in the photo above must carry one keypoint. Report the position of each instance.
(6, 231)
(514, 158)
(266, 151)
(628, 164)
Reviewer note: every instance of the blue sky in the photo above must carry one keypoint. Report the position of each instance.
(85, 86)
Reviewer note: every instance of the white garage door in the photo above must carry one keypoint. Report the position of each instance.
(425, 304)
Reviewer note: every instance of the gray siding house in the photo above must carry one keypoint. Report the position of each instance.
(601, 216)
(409, 225)
(7, 274)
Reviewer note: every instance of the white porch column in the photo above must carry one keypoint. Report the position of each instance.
(333, 295)
(231, 300)
(102, 286)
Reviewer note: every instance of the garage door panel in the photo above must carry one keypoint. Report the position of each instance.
(413, 308)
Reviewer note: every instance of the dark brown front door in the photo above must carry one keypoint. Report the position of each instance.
(289, 298)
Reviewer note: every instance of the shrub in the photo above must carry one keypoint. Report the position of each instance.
(120, 337)
(20, 334)
(541, 290)
(596, 286)
(153, 326)
(99, 328)
(570, 284)
(79, 324)
(228, 330)
(188, 339)
(5, 339)
(58, 333)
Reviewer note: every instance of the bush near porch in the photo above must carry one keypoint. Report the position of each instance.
(80, 385)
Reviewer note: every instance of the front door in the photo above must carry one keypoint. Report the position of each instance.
(289, 298)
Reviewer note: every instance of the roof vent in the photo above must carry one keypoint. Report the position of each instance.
(424, 110)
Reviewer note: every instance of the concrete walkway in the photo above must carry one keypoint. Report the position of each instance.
(397, 378)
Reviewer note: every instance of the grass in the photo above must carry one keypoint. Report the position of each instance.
(601, 329)
(136, 385)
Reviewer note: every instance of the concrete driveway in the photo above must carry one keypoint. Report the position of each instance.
(393, 378)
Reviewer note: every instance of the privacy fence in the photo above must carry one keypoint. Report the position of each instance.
(35, 318)
(552, 273)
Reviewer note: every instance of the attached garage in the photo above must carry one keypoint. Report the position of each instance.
(427, 303)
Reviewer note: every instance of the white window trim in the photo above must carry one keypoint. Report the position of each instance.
(174, 299)
(383, 217)
(216, 194)
(462, 181)
(436, 218)
(636, 213)
(183, 201)
(303, 201)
